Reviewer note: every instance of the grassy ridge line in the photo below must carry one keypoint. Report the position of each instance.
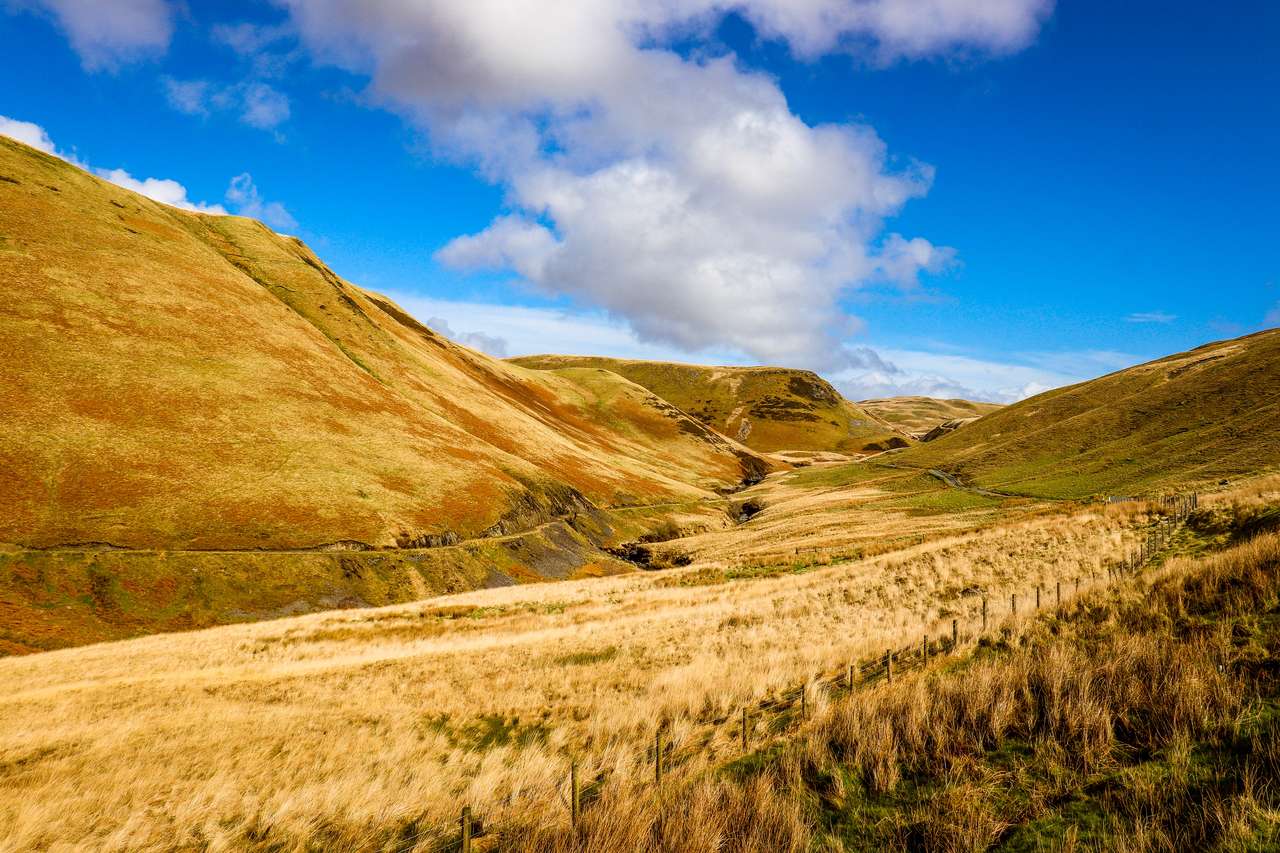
(1182, 421)
(789, 788)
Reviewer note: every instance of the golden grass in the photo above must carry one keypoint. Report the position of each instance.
(181, 381)
(351, 728)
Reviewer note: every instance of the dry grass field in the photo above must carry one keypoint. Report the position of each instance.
(353, 729)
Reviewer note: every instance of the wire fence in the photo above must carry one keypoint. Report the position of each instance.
(791, 708)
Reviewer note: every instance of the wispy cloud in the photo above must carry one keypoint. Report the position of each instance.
(1151, 317)
(1273, 316)
(255, 103)
(109, 33)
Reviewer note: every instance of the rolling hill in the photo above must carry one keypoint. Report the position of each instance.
(769, 409)
(916, 416)
(1189, 419)
(180, 382)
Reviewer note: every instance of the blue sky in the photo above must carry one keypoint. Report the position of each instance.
(986, 200)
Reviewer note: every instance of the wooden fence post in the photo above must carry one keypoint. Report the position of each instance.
(1058, 592)
(984, 614)
(465, 821)
(1037, 596)
(955, 634)
(1013, 603)
(924, 650)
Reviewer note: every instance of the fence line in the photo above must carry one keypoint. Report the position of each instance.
(855, 676)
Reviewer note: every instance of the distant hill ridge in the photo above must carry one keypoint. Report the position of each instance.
(769, 409)
(918, 416)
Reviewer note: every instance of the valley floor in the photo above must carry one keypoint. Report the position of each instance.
(360, 729)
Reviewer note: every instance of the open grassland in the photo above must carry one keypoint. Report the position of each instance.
(1187, 420)
(917, 415)
(830, 512)
(766, 408)
(361, 729)
(1139, 717)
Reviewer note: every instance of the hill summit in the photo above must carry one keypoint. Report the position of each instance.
(769, 409)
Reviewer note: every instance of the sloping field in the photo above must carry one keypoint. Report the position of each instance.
(1191, 418)
(179, 380)
(917, 415)
(367, 730)
(766, 408)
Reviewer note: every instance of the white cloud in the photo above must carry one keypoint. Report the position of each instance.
(28, 133)
(163, 190)
(933, 374)
(1151, 317)
(535, 330)
(107, 33)
(680, 194)
(243, 195)
(257, 104)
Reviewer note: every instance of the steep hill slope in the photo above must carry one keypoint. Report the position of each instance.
(177, 380)
(1190, 418)
(916, 416)
(766, 408)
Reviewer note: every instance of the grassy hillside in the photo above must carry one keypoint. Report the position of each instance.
(180, 383)
(187, 381)
(766, 408)
(917, 415)
(1191, 418)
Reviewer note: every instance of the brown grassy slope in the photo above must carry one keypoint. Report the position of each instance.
(917, 415)
(179, 380)
(1189, 418)
(227, 736)
(766, 408)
